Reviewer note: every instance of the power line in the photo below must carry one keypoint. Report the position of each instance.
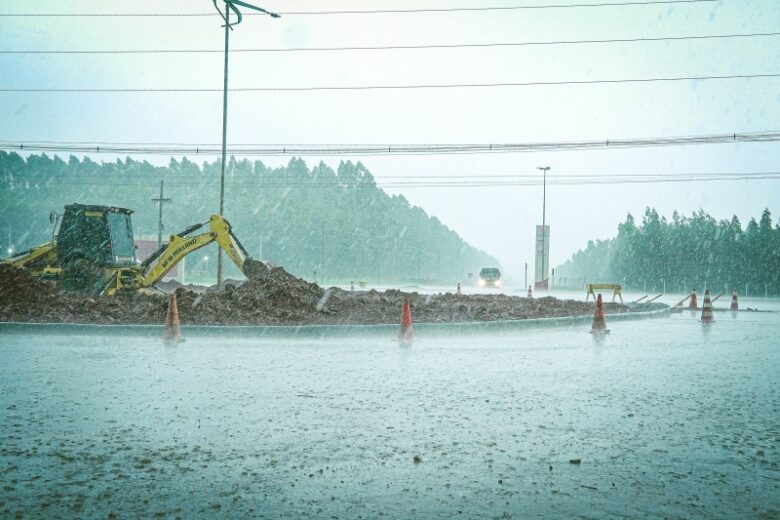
(473, 178)
(401, 87)
(260, 181)
(373, 11)
(398, 47)
(422, 180)
(390, 149)
(498, 8)
(573, 180)
(752, 136)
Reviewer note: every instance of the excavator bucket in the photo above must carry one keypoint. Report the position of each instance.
(254, 268)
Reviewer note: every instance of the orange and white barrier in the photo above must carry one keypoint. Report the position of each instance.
(405, 335)
(599, 323)
(734, 301)
(172, 332)
(706, 310)
(693, 304)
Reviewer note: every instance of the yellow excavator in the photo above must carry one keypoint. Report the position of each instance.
(94, 251)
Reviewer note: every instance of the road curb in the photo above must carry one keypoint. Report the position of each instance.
(317, 331)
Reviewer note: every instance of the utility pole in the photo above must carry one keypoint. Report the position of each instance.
(388, 236)
(161, 200)
(394, 261)
(526, 275)
(419, 261)
(544, 207)
(230, 5)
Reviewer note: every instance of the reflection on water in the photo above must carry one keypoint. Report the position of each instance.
(667, 418)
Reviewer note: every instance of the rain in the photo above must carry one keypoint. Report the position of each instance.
(400, 260)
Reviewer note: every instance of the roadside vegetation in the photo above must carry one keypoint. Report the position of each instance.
(338, 223)
(683, 253)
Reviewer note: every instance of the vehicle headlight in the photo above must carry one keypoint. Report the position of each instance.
(482, 283)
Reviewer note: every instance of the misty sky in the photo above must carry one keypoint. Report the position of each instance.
(498, 220)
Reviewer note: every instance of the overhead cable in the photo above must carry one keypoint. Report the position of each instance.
(396, 47)
(110, 183)
(400, 87)
(389, 149)
(366, 12)
(266, 179)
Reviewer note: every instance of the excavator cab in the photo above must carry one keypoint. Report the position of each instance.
(92, 242)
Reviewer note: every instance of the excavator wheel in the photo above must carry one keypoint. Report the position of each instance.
(79, 275)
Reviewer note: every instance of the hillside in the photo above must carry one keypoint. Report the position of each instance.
(337, 222)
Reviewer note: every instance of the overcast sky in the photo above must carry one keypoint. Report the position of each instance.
(499, 220)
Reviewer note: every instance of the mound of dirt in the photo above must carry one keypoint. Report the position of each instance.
(16, 285)
(280, 288)
(27, 299)
(374, 307)
(270, 296)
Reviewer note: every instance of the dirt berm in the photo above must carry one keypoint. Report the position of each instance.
(271, 296)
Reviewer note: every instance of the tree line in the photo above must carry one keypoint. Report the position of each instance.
(682, 253)
(338, 223)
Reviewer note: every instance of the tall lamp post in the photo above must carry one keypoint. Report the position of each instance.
(544, 207)
(230, 5)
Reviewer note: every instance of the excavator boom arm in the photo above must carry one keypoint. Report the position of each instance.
(228, 241)
(182, 245)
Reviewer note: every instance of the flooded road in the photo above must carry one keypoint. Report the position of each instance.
(661, 418)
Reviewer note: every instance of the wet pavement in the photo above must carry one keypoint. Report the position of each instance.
(660, 418)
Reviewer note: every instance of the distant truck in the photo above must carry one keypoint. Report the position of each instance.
(489, 277)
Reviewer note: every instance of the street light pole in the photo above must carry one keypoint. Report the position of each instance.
(230, 5)
(224, 138)
(544, 207)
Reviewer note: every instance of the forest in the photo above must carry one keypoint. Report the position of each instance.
(682, 253)
(338, 223)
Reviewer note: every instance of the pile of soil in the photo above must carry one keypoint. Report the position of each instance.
(27, 299)
(270, 296)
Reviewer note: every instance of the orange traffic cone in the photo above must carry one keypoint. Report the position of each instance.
(172, 333)
(706, 310)
(405, 332)
(530, 292)
(734, 302)
(599, 324)
(694, 304)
